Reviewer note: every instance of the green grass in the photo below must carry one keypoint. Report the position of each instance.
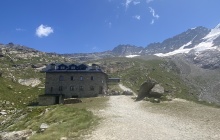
(163, 71)
(64, 121)
(70, 120)
(15, 93)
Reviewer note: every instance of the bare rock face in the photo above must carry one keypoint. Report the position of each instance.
(33, 82)
(157, 91)
(209, 59)
(145, 89)
(16, 135)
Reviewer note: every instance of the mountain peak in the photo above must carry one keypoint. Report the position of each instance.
(124, 50)
(218, 26)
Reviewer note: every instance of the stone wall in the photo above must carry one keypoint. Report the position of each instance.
(76, 84)
(46, 100)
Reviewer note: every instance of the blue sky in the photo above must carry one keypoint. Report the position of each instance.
(79, 26)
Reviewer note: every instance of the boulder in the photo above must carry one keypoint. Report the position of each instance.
(145, 89)
(43, 127)
(3, 113)
(63, 138)
(157, 91)
(37, 65)
(33, 82)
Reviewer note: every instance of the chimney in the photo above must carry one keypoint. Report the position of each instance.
(52, 66)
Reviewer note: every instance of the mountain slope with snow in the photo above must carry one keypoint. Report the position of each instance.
(209, 42)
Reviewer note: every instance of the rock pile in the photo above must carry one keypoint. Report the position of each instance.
(16, 135)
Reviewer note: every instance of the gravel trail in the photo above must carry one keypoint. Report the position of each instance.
(125, 119)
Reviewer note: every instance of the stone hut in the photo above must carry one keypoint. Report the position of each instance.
(72, 81)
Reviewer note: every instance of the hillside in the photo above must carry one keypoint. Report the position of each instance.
(134, 71)
(22, 82)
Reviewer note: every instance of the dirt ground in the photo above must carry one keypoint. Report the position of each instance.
(125, 119)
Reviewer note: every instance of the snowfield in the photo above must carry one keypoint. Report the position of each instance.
(207, 44)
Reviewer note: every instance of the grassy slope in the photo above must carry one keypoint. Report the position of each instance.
(68, 120)
(64, 120)
(13, 92)
(161, 70)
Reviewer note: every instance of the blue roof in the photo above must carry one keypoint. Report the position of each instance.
(70, 67)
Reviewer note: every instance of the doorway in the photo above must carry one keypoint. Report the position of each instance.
(57, 99)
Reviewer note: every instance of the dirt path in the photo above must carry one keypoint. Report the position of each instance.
(125, 119)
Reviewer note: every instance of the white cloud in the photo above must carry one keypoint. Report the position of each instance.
(94, 48)
(152, 21)
(138, 17)
(153, 13)
(20, 29)
(148, 1)
(109, 24)
(155, 16)
(127, 3)
(43, 31)
(136, 2)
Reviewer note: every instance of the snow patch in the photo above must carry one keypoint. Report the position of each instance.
(213, 34)
(207, 44)
(178, 51)
(131, 56)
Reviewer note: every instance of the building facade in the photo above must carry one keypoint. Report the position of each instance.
(72, 81)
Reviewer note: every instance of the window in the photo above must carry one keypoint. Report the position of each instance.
(60, 88)
(62, 67)
(71, 78)
(61, 78)
(81, 88)
(81, 78)
(72, 88)
(51, 89)
(92, 88)
(72, 67)
(92, 78)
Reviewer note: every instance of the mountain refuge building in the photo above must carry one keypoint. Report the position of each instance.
(72, 81)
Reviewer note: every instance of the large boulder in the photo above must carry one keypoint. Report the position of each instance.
(157, 91)
(33, 82)
(145, 89)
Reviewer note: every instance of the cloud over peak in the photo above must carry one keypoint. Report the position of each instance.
(43, 31)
